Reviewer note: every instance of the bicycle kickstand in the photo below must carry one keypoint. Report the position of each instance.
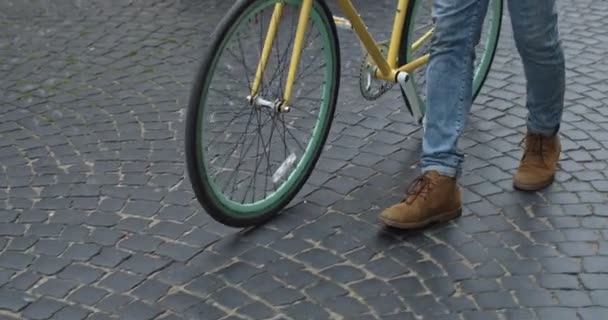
(409, 96)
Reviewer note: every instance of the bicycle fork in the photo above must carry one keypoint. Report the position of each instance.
(281, 105)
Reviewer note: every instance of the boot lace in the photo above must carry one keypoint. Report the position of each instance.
(420, 187)
(534, 145)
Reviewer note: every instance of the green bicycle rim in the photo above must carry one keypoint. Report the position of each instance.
(262, 206)
(486, 61)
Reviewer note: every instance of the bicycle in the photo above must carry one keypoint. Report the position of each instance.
(247, 80)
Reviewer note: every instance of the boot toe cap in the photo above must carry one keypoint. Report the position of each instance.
(396, 214)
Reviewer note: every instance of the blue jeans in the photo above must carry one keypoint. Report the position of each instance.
(450, 73)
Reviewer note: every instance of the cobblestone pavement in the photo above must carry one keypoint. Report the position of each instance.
(97, 220)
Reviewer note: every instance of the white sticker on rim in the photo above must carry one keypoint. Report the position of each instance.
(284, 167)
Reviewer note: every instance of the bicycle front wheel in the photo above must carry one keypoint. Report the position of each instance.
(246, 160)
(419, 23)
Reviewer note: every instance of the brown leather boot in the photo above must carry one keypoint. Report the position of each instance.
(430, 198)
(539, 162)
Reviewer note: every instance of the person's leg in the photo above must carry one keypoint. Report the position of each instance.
(435, 196)
(537, 39)
(449, 82)
(535, 28)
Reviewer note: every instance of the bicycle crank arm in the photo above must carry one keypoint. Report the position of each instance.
(409, 96)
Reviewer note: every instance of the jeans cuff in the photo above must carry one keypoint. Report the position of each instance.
(443, 170)
(544, 132)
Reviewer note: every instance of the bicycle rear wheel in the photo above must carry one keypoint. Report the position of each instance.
(246, 160)
(419, 22)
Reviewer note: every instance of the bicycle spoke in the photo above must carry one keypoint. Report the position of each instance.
(292, 136)
(311, 73)
(260, 139)
(310, 99)
(236, 146)
(277, 70)
(257, 162)
(268, 166)
(311, 90)
(227, 94)
(315, 57)
(229, 123)
(242, 60)
(261, 49)
(281, 65)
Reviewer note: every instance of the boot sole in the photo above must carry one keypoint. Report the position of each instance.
(532, 187)
(444, 217)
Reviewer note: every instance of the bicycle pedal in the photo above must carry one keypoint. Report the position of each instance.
(408, 92)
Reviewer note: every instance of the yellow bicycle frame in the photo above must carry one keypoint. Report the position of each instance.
(387, 68)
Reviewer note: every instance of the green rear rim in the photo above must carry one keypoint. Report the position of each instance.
(240, 210)
(494, 16)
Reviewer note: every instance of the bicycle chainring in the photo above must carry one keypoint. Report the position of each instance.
(371, 87)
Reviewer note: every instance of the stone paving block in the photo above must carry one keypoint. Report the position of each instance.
(179, 302)
(177, 252)
(42, 309)
(87, 295)
(348, 306)
(260, 256)
(81, 252)
(139, 310)
(110, 257)
(119, 281)
(55, 288)
(573, 298)
(142, 264)
(14, 301)
(256, 310)
(72, 313)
